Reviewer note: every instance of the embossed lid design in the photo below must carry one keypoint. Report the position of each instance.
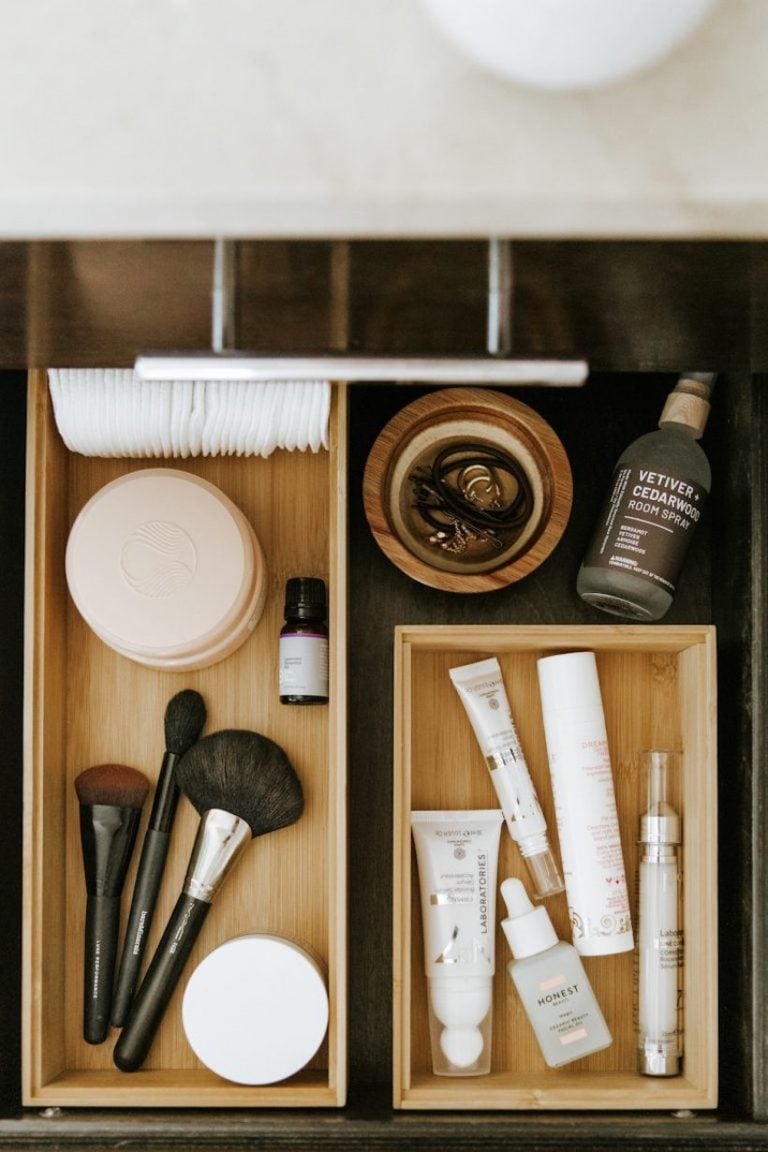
(165, 569)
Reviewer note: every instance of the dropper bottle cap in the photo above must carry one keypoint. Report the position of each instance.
(528, 930)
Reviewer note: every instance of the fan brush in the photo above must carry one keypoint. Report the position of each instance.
(243, 785)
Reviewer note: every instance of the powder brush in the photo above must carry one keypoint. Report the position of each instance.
(184, 719)
(243, 785)
(111, 797)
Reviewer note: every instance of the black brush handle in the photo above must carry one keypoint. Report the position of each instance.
(158, 985)
(102, 924)
(154, 851)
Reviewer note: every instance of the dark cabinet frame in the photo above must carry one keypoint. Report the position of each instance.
(640, 312)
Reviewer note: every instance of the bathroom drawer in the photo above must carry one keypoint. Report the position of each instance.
(640, 311)
(658, 685)
(85, 704)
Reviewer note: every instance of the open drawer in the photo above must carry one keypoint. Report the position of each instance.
(85, 705)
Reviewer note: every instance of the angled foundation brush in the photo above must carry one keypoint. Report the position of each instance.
(111, 797)
(243, 785)
(184, 720)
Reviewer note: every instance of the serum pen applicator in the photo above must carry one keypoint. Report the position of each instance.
(660, 951)
(481, 690)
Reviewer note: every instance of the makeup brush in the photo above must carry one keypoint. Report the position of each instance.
(111, 797)
(243, 785)
(184, 720)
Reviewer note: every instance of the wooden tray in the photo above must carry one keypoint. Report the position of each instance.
(659, 689)
(84, 704)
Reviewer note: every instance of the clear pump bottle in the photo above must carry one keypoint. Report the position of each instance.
(660, 946)
(659, 489)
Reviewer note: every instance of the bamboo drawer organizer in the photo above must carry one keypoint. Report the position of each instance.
(85, 704)
(659, 690)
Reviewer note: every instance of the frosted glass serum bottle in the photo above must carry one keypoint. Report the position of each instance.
(659, 489)
(551, 982)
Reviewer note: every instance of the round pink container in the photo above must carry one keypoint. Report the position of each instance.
(166, 569)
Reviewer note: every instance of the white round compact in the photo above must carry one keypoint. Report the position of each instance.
(166, 569)
(255, 1010)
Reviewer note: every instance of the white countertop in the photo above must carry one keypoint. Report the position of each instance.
(318, 118)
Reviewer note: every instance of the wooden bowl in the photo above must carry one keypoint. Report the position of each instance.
(452, 417)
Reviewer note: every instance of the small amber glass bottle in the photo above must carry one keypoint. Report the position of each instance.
(304, 643)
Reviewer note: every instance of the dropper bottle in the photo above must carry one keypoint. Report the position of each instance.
(659, 488)
(660, 949)
(551, 982)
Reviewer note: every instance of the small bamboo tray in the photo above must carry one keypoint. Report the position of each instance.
(85, 704)
(659, 690)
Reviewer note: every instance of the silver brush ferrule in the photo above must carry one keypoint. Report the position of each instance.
(220, 839)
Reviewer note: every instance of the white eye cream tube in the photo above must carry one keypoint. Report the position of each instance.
(457, 855)
(481, 689)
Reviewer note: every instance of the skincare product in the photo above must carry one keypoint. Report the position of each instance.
(660, 949)
(481, 689)
(585, 803)
(457, 855)
(255, 1010)
(304, 643)
(656, 498)
(166, 569)
(551, 981)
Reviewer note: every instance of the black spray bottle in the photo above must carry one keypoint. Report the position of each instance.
(656, 499)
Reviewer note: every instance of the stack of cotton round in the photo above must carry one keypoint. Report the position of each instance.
(255, 1010)
(111, 412)
(166, 570)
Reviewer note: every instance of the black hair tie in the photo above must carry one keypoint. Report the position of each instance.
(443, 503)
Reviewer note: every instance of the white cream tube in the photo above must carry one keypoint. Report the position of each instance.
(457, 855)
(481, 690)
(585, 804)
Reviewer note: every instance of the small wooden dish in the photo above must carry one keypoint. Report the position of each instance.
(412, 440)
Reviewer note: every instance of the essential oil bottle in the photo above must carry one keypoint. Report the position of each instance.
(551, 982)
(304, 643)
(655, 501)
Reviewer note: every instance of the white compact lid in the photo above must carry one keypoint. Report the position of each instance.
(255, 1010)
(569, 681)
(160, 563)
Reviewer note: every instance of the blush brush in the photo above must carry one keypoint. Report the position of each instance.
(244, 786)
(111, 797)
(184, 719)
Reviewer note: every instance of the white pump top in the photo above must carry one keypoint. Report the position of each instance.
(528, 930)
